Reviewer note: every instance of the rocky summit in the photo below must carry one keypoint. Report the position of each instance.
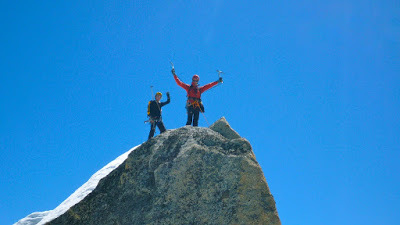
(190, 175)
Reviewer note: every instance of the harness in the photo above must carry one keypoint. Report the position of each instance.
(195, 103)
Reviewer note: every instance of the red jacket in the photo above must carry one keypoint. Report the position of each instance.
(194, 92)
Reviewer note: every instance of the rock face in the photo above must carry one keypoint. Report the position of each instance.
(190, 175)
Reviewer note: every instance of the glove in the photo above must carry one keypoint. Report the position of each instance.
(173, 71)
(220, 80)
(168, 94)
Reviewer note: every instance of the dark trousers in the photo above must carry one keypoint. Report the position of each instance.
(160, 126)
(193, 114)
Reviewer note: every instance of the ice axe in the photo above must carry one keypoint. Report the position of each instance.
(152, 93)
(173, 68)
(219, 74)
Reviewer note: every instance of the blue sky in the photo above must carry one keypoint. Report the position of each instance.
(313, 85)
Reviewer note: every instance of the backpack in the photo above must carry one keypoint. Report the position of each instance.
(148, 109)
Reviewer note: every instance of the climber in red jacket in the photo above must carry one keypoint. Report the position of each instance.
(193, 103)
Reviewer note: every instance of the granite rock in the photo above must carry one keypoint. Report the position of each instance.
(190, 175)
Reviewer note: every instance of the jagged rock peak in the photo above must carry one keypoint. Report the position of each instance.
(190, 175)
(222, 126)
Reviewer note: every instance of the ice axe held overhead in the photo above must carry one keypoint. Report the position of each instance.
(172, 68)
(219, 76)
(152, 94)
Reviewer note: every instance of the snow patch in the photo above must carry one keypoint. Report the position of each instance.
(33, 218)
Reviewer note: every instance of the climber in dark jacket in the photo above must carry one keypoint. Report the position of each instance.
(154, 113)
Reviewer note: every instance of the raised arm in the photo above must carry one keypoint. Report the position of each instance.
(210, 85)
(166, 102)
(179, 82)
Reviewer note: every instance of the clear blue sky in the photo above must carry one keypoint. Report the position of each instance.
(313, 85)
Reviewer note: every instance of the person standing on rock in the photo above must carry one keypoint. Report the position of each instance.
(193, 104)
(154, 114)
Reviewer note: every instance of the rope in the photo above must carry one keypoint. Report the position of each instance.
(197, 104)
(205, 118)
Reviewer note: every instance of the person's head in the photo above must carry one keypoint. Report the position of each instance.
(158, 96)
(195, 80)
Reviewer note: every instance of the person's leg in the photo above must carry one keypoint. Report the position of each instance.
(190, 116)
(161, 126)
(152, 130)
(196, 118)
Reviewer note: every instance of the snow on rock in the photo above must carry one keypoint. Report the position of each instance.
(33, 218)
(39, 218)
